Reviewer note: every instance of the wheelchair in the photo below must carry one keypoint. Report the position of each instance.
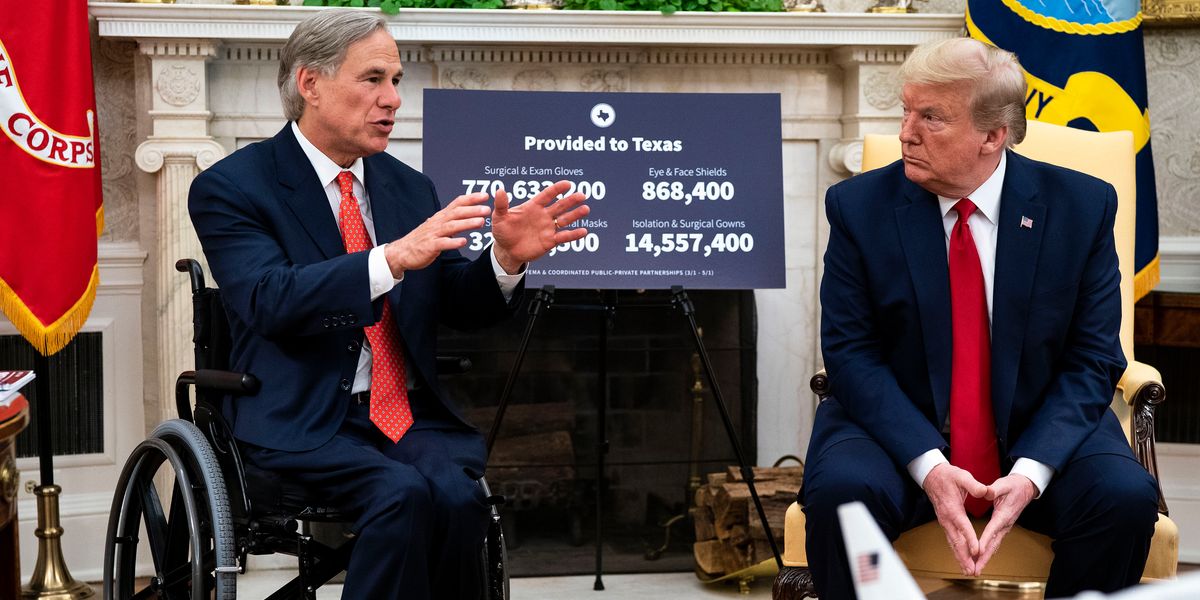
(188, 499)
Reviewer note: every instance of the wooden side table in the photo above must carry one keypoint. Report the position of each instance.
(13, 419)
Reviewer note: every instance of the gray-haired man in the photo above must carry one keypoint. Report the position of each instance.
(336, 264)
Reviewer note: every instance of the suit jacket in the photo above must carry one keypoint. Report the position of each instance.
(1056, 314)
(297, 302)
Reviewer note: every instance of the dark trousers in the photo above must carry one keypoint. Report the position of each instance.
(419, 512)
(1100, 510)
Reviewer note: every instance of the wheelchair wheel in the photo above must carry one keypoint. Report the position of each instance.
(191, 542)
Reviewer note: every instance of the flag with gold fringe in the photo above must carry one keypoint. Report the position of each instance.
(51, 212)
(1086, 68)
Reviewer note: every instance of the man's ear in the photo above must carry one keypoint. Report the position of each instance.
(995, 140)
(306, 83)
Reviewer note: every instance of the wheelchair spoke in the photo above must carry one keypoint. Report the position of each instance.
(178, 531)
(179, 577)
(155, 521)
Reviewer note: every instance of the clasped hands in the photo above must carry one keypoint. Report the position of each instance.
(522, 233)
(947, 486)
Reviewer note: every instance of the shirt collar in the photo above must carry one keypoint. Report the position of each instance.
(327, 170)
(986, 197)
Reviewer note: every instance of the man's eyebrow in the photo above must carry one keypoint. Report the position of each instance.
(379, 71)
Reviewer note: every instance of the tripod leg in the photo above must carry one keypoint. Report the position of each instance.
(544, 297)
(602, 434)
(681, 301)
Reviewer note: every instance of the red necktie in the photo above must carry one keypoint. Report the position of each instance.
(972, 425)
(390, 411)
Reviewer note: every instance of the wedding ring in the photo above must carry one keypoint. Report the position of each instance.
(556, 225)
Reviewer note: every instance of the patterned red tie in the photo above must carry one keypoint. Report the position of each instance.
(390, 411)
(972, 426)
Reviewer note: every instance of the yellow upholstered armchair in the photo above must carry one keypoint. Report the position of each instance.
(1025, 556)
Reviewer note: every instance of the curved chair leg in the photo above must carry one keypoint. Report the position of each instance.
(793, 583)
(190, 543)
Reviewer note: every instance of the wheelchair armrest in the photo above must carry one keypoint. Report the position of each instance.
(211, 380)
(239, 384)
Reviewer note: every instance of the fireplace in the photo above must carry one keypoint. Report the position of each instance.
(545, 458)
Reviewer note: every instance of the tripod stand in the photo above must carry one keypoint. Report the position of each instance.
(544, 299)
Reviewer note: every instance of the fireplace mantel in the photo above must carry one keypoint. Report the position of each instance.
(206, 80)
(605, 28)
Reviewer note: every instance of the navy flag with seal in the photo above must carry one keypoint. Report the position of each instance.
(1086, 69)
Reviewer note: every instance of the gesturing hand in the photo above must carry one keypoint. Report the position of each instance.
(423, 245)
(526, 232)
(947, 486)
(1010, 495)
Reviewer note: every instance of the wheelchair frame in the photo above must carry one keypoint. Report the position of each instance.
(201, 542)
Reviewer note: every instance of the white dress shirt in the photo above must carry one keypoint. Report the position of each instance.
(982, 223)
(380, 274)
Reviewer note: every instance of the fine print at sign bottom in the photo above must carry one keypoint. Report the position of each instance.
(684, 189)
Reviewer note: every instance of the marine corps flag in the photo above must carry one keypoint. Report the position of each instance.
(50, 207)
(1086, 68)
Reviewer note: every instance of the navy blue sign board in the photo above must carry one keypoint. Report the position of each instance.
(684, 189)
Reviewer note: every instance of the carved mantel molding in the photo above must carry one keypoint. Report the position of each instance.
(154, 152)
(867, 47)
(870, 101)
(605, 28)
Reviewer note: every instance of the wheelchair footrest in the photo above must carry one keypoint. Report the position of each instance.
(274, 524)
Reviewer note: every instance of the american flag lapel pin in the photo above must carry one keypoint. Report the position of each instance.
(1026, 222)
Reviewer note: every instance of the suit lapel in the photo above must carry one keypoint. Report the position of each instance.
(393, 217)
(1017, 251)
(304, 195)
(924, 241)
(390, 211)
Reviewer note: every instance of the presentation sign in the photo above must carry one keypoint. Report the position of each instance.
(684, 189)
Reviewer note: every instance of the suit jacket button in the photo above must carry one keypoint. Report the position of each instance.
(345, 383)
(352, 346)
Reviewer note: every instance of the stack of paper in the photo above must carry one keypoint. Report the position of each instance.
(11, 382)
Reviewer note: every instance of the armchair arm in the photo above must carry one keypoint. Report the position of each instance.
(1142, 389)
(1135, 380)
(819, 384)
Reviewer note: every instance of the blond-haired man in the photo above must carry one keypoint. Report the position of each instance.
(970, 315)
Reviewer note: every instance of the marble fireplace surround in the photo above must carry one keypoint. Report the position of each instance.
(211, 79)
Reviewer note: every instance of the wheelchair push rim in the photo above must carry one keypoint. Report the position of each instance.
(190, 543)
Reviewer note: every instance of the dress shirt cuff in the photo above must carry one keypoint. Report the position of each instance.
(1037, 472)
(382, 281)
(507, 282)
(920, 466)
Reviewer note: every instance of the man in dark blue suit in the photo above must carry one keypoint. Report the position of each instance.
(970, 314)
(336, 263)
